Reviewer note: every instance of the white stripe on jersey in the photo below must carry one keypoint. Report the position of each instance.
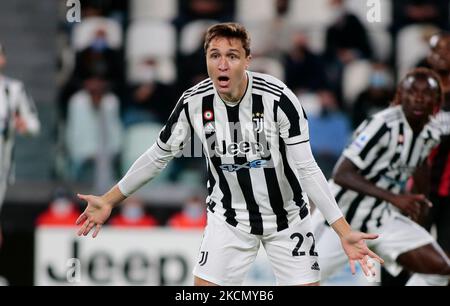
(252, 183)
(387, 152)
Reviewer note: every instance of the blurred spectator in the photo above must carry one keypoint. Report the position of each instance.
(62, 211)
(346, 40)
(376, 97)
(98, 56)
(148, 100)
(304, 70)
(329, 131)
(192, 68)
(408, 12)
(190, 10)
(193, 215)
(132, 214)
(93, 133)
(282, 7)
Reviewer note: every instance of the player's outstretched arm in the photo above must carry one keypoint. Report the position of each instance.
(354, 245)
(98, 210)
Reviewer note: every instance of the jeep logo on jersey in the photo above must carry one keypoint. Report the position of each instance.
(243, 147)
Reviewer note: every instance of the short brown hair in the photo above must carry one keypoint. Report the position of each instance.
(424, 73)
(228, 30)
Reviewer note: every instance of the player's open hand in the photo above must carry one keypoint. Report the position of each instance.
(356, 249)
(95, 215)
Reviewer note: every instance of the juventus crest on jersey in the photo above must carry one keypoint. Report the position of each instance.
(252, 182)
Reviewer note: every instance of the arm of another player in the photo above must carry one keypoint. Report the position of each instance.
(347, 176)
(26, 116)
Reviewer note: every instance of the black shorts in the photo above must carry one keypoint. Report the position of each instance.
(440, 217)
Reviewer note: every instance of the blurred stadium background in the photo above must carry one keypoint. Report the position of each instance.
(104, 87)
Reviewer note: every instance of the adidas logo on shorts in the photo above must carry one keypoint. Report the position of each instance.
(315, 266)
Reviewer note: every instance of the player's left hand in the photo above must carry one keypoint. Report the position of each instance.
(356, 249)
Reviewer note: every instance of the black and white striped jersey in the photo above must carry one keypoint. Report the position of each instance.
(387, 152)
(252, 182)
(14, 102)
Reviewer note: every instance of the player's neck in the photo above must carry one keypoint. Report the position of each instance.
(240, 92)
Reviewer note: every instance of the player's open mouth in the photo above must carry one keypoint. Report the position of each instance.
(224, 81)
(418, 113)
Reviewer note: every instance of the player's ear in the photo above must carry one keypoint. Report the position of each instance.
(249, 59)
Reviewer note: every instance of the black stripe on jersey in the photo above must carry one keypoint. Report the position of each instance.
(274, 86)
(162, 148)
(377, 203)
(199, 92)
(192, 138)
(243, 175)
(9, 114)
(230, 213)
(386, 207)
(400, 140)
(211, 183)
(340, 194)
(369, 216)
(353, 208)
(293, 144)
(167, 131)
(273, 187)
(291, 113)
(268, 86)
(266, 89)
(199, 86)
(369, 168)
(293, 181)
(411, 148)
(373, 141)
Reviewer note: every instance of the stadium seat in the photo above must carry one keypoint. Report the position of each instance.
(165, 71)
(84, 32)
(381, 43)
(150, 38)
(412, 46)
(192, 34)
(153, 9)
(355, 80)
(137, 139)
(264, 39)
(255, 10)
(267, 65)
(309, 14)
(316, 38)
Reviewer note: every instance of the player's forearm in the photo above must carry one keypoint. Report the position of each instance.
(144, 169)
(341, 227)
(422, 179)
(314, 183)
(348, 177)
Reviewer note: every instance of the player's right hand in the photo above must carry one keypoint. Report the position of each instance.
(95, 215)
(410, 204)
